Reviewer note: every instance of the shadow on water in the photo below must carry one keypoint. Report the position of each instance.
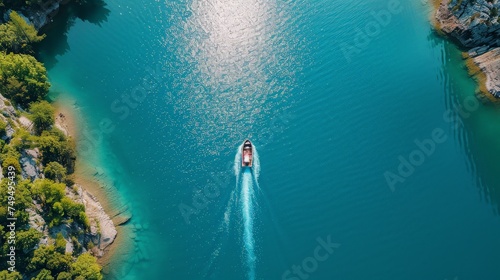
(483, 150)
(56, 42)
(474, 122)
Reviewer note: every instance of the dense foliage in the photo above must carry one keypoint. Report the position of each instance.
(86, 267)
(42, 115)
(57, 207)
(22, 78)
(41, 261)
(23, 201)
(32, 4)
(55, 171)
(51, 264)
(5, 275)
(17, 35)
(55, 147)
(3, 126)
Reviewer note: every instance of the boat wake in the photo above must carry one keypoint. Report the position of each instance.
(246, 177)
(247, 210)
(241, 199)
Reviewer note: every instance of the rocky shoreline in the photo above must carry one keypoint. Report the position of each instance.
(474, 26)
(41, 16)
(102, 229)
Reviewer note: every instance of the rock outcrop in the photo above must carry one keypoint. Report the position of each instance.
(31, 169)
(489, 63)
(42, 15)
(474, 25)
(102, 230)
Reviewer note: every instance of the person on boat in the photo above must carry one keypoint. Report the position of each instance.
(246, 156)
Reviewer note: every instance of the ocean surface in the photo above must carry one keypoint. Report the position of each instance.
(377, 161)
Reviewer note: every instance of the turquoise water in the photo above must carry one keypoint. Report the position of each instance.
(170, 89)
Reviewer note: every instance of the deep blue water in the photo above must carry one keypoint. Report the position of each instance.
(178, 85)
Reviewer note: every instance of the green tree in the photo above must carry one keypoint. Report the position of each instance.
(60, 244)
(15, 87)
(77, 247)
(3, 126)
(22, 78)
(75, 211)
(17, 35)
(3, 214)
(9, 151)
(47, 257)
(55, 147)
(58, 209)
(44, 274)
(6, 275)
(82, 219)
(58, 262)
(11, 161)
(27, 240)
(42, 115)
(71, 208)
(22, 139)
(86, 267)
(40, 257)
(48, 192)
(55, 171)
(56, 205)
(64, 276)
(22, 197)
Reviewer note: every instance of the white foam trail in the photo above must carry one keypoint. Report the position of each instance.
(229, 210)
(221, 236)
(255, 163)
(247, 209)
(237, 165)
(248, 177)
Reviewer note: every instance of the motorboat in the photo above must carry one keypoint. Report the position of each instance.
(247, 154)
